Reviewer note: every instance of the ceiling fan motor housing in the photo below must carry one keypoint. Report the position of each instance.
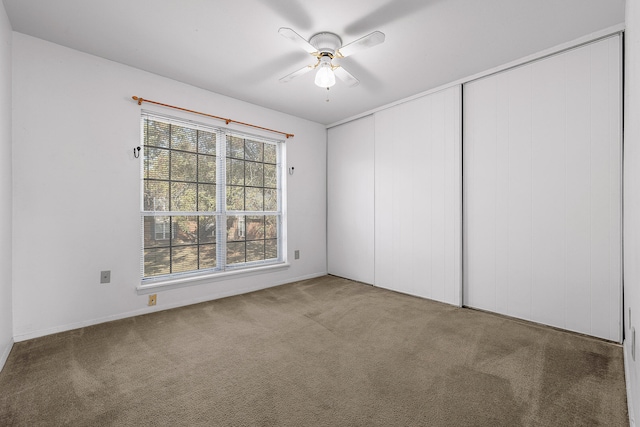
(326, 43)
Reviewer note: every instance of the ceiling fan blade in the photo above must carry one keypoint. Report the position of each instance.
(362, 43)
(346, 76)
(297, 39)
(295, 74)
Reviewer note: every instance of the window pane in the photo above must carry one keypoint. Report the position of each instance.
(185, 230)
(235, 253)
(207, 169)
(156, 133)
(235, 147)
(270, 155)
(270, 176)
(183, 197)
(183, 138)
(235, 172)
(271, 249)
(254, 174)
(156, 262)
(184, 258)
(271, 227)
(206, 197)
(253, 150)
(255, 251)
(235, 198)
(254, 226)
(183, 166)
(156, 196)
(207, 255)
(157, 231)
(235, 228)
(270, 200)
(156, 163)
(254, 200)
(207, 229)
(206, 142)
(148, 226)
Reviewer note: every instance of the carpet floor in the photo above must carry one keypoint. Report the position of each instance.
(321, 352)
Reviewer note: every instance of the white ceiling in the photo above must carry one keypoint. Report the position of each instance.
(233, 47)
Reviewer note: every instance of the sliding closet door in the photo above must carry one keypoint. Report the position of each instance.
(542, 187)
(350, 192)
(418, 197)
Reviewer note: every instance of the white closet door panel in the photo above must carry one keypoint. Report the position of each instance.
(437, 173)
(417, 199)
(502, 187)
(452, 284)
(519, 218)
(418, 203)
(615, 186)
(480, 146)
(384, 212)
(547, 191)
(578, 195)
(600, 190)
(350, 185)
(543, 191)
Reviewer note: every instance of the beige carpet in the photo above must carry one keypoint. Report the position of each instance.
(322, 352)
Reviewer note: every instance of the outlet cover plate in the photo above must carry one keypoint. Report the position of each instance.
(105, 276)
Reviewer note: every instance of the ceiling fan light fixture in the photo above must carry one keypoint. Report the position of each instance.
(325, 77)
(326, 46)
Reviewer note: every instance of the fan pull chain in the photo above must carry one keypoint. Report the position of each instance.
(327, 95)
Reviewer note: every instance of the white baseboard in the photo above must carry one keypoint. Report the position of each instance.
(146, 310)
(627, 379)
(5, 354)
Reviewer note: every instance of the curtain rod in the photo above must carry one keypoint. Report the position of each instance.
(141, 100)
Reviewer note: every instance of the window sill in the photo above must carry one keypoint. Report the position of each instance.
(149, 287)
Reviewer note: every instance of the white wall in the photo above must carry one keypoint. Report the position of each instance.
(350, 183)
(76, 188)
(6, 327)
(632, 204)
(418, 197)
(543, 195)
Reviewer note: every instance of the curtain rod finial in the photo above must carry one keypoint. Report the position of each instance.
(135, 98)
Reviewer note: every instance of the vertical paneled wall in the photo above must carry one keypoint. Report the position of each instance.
(418, 197)
(350, 215)
(542, 179)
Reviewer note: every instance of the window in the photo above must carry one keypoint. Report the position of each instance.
(212, 199)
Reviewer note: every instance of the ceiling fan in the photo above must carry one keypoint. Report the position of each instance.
(325, 47)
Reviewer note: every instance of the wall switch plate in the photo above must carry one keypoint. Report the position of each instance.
(105, 276)
(296, 254)
(153, 299)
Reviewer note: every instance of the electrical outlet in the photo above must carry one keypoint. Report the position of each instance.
(296, 254)
(105, 276)
(152, 299)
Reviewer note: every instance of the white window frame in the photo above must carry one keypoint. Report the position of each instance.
(222, 270)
